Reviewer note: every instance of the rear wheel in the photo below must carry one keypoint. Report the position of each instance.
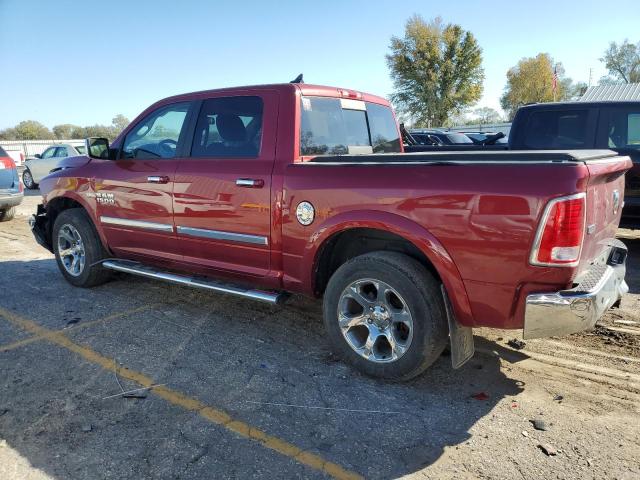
(7, 214)
(27, 180)
(384, 314)
(78, 249)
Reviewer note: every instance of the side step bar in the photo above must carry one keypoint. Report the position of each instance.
(150, 272)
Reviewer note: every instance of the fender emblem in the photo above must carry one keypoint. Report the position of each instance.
(616, 201)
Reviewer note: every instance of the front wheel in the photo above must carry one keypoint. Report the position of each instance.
(27, 180)
(78, 249)
(384, 314)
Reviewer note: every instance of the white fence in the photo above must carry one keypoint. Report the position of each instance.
(30, 147)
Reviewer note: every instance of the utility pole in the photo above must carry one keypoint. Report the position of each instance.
(590, 76)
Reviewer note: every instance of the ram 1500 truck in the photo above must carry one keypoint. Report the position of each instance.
(260, 191)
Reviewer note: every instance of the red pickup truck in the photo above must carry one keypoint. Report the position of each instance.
(260, 191)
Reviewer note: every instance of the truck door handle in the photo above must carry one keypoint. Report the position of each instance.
(250, 182)
(157, 179)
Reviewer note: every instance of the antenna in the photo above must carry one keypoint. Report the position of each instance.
(298, 79)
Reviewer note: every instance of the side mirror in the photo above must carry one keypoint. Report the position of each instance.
(37, 155)
(97, 147)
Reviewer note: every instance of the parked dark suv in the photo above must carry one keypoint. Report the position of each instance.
(586, 125)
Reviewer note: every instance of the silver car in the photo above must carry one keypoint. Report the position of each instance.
(40, 166)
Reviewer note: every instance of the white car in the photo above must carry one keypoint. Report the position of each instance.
(39, 167)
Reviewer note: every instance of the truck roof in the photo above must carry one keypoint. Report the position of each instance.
(598, 103)
(304, 88)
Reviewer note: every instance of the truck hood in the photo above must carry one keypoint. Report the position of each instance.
(72, 162)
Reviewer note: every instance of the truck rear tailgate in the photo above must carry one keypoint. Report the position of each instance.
(605, 197)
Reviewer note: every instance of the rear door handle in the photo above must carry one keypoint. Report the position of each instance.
(157, 179)
(250, 182)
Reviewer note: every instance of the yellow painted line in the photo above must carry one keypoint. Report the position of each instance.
(27, 341)
(212, 414)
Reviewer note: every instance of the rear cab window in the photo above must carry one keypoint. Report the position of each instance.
(340, 126)
(558, 129)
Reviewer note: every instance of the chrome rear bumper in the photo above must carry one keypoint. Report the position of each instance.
(578, 309)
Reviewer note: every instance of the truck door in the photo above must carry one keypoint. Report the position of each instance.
(222, 192)
(134, 192)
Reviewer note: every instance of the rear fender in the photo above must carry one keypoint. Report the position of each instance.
(405, 228)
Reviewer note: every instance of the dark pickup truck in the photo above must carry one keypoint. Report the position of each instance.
(586, 125)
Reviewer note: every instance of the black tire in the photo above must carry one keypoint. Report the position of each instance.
(92, 274)
(27, 180)
(7, 214)
(422, 295)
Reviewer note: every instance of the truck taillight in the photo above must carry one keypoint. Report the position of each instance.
(6, 162)
(559, 238)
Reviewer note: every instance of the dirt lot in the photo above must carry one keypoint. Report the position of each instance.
(252, 391)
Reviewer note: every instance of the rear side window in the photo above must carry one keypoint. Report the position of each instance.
(229, 127)
(62, 152)
(333, 126)
(557, 130)
(384, 131)
(3, 153)
(624, 130)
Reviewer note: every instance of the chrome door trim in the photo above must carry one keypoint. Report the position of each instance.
(125, 222)
(219, 235)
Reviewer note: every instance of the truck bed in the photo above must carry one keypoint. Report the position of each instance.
(472, 156)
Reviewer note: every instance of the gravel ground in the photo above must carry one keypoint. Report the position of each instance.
(252, 391)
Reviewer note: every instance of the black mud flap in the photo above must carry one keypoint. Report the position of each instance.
(39, 224)
(461, 337)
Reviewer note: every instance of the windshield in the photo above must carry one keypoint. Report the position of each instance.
(334, 126)
(458, 138)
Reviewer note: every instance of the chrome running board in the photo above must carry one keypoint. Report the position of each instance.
(206, 284)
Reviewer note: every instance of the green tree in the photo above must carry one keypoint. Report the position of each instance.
(484, 115)
(531, 80)
(623, 62)
(8, 134)
(32, 130)
(99, 131)
(119, 123)
(65, 131)
(436, 71)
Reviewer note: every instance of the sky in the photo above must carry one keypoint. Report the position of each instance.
(83, 62)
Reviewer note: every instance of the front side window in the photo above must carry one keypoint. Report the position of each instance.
(333, 126)
(48, 153)
(557, 129)
(624, 130)
(157, 135)
(229, 127)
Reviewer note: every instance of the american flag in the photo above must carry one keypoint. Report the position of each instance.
(555, 78)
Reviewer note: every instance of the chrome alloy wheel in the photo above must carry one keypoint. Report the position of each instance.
(71, 250)
(27, 179)
(375, 320)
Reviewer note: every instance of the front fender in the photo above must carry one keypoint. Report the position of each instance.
(405, 228)
(57, 186)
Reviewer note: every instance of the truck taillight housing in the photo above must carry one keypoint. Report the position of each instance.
(559, 237)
